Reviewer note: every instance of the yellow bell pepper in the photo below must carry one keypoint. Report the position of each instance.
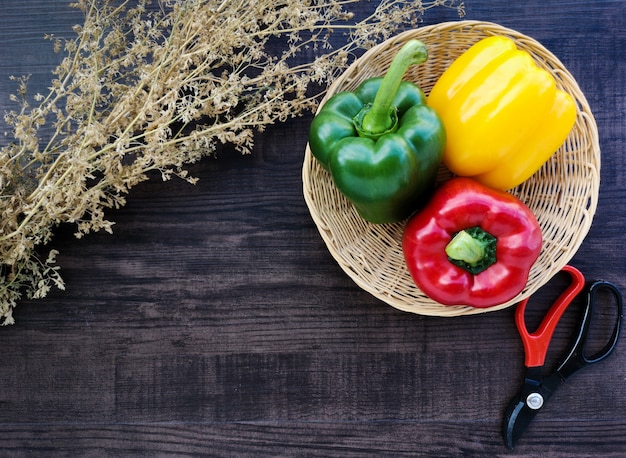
(504, 116)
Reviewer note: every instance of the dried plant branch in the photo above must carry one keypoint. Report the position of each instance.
(153, 88)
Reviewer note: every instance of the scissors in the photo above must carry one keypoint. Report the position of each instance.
(537, 388)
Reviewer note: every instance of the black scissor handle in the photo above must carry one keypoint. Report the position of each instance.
(576, 358)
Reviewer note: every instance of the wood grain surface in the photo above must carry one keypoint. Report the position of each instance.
(214, 322)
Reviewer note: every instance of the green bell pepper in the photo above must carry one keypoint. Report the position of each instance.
(381, 143)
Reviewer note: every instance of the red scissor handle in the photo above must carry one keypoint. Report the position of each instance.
(536, 344)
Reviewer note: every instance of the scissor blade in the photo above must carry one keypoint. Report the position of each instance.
(516, 419)
(519, 414)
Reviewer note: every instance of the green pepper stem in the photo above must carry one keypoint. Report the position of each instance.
(378, 118)
(473, 249)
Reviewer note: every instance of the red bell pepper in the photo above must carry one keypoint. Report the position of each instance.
(471, 245)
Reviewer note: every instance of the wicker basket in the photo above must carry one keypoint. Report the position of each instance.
(563, 194)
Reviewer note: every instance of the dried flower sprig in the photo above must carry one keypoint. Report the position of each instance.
(152, 88)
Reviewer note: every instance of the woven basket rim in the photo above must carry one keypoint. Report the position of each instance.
(352, 241)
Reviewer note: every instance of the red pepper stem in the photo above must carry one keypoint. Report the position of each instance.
(472, 249)
(378, 118)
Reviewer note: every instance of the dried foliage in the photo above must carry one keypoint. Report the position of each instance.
(152, 87)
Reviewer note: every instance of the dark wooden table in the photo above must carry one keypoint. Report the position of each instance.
(215, 322)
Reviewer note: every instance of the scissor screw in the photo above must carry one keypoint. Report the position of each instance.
(534, 401)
